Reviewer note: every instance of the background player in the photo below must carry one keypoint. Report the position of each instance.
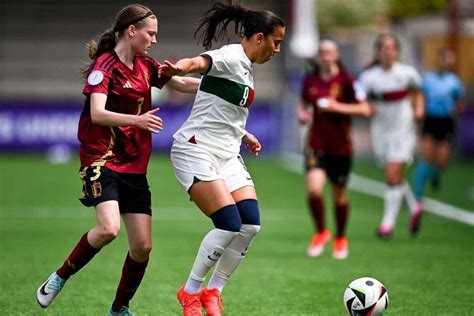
(205, 152)
(394, 89)
(444, 92)
(115, 146)
(327, 99)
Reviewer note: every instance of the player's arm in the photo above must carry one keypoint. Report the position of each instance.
(304, 114)
(101, 116)
(252, 143)
(184, 84)
(361, 108)
(417, 97)
(418, 102)
(199, 64)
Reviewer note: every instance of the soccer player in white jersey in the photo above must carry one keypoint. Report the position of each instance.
(393, 88)
(205, 152)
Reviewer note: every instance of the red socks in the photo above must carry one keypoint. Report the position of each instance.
(342, 215)
(316, 206)
(132, 275)
(79, 257)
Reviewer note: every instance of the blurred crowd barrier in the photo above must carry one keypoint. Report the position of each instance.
(43, 126)
(37, 126)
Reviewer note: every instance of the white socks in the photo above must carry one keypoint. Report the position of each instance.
(392, 202)
(211, 249)
(232, 256)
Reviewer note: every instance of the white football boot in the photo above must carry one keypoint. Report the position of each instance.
(49, 289)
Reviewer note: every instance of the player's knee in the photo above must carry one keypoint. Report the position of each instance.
(227, 218)
(314, 193)
(341, 200)
(394, 180)
(141, 251)
(249, 212)
(109, 232)
(250, 231)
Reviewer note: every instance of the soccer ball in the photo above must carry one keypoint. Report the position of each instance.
(365, 296)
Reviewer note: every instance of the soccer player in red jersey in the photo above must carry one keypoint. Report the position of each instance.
(327, 100)
(115, 146)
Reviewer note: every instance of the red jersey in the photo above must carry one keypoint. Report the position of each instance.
(124, 149)
(330, 133)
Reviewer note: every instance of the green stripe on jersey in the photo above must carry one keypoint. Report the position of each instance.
(231, 91)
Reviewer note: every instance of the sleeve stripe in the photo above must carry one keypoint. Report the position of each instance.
(106, 63)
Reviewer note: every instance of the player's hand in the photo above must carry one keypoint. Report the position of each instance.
(169, 69)
(373, 109)
(304, 116)
(327, 104)
(150, 122)
(366, 109)
(252, 143)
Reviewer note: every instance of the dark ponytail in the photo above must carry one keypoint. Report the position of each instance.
(133, 14)
(106, 42)
(213, 26)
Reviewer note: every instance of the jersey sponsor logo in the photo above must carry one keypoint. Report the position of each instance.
(95, 77)
(127, 84)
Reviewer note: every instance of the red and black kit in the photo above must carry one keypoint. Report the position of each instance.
(329, 142)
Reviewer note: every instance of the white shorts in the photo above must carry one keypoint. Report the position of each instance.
(192, 163)
(394, 147)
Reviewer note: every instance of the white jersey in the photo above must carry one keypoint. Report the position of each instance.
(393, 126)
(220, 110)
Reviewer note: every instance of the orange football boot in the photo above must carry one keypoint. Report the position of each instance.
(340, 248)
(319, 240)
(191, 303)
(212, 301)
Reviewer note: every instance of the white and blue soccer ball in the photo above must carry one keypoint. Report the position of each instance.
(365, 297)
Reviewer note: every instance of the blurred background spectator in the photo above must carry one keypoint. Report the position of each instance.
(40, 105)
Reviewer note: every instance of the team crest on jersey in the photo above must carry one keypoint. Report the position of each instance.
(335, 90)
(95, 77)
(147, 78)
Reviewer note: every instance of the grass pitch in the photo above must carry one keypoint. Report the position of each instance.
(41, 220)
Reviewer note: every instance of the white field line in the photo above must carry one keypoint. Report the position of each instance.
(376, 188)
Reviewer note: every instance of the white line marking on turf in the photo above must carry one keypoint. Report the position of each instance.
(376, 188)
